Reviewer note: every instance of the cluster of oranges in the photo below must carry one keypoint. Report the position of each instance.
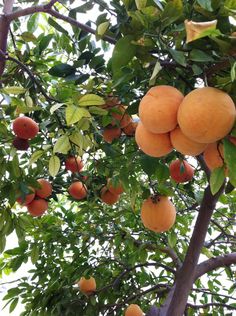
(192, 125)
(120, 121)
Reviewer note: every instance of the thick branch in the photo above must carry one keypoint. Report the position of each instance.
(214, 263)
(186, 276)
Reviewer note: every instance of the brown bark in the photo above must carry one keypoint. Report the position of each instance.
(177, 298)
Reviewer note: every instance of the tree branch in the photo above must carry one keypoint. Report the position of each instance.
(214, 263)
(211, 304)
(47, 9)
(175, 305)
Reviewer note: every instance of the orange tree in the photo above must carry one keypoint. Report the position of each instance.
(55, 70)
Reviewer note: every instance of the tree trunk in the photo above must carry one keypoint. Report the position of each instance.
(178, 296)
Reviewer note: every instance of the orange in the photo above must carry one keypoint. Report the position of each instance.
(214, 155)
(20, 143)
(206, 115)
(129, 130)
(117, 190)
(74, 164)
(77, 190)
(155, 145)
(158, 214)
(158, 109)
(111, 133)
(45, 189)
(37, 207)
(87, 286)
(27, 199)
(185, 145)
(24, 127)
(108, 197)
(181, 171)
(133, 310)
(121, 118)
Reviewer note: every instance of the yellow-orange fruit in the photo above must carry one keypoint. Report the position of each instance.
(28, 198)
(74, 164)
(181, 171)
(214, 155)
(108, 197)
(24, 127)
(155, 145)
(87, 286)
(158, 109)
(45, 189)
(111, 133)
(206, 115)
(77, 190)
(130, 129)
(117, 190)
(185, 145)
(133, 310)
(37, 207)
(121, 118)
(158, 214)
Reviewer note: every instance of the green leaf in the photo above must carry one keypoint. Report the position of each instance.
(13, 304)
(62, 70)
(62, 145)
(2, 243)
(149, 164)
(78, 139)
(178, 56)
(155, 72)
(34, 255)
(207, 252)
(75, 113)
(14, 90)
(90, 99)
(230, 159)
(55, 107)
(44, 42)
(205, 4)
(200, 56)
(32, 23)
(172, 12)
(57, 26)
(28, 37)
(54, 165)
(216, 179)
(233, 72)
(35, 156)
(172, 239)
(98, 111)
(102, 28)
(140, 4)
(123, 53)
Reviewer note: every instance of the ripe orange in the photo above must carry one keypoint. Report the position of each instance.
(158, 109)
(155, 145)
(121, 118)
(129, 130)
(214, 155)
(37, 207)
(158, 214)
(87, 286)
(28, 198)
(108, 197)
(117, 190)
(181, 171)
(133, 310)
(45, 188)
(24, 127)
(74, 164)
(206, 115)
(185, 145)
(77, 190)
(111, 133)
(20, 143)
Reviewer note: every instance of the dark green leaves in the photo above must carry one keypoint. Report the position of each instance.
(217, 179)
(172, 12)
(230, 159)
(62, 70)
